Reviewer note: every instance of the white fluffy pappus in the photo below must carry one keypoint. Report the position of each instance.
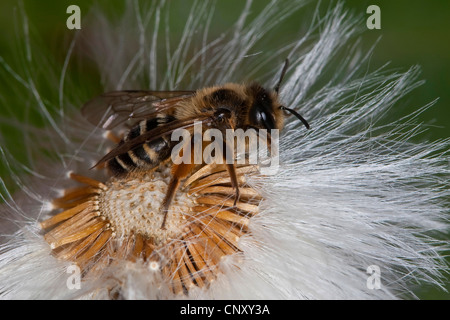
(350, 193)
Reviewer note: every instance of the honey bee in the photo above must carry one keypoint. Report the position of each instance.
(157, 114)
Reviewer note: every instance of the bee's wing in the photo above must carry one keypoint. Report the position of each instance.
(154, 134)
(110, 109)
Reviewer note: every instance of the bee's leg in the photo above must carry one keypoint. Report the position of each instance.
(179, 171)
(231, 168)
(172, 189)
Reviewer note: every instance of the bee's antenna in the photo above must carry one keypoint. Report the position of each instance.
(295, 113)
(283, 72)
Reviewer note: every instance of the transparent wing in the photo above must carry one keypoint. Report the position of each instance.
(154, 134)
(111, 109)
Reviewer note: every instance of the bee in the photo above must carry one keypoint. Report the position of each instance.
(157, 114)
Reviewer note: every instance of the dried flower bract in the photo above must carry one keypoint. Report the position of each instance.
(101, 223)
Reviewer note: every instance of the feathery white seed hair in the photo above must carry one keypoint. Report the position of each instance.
(350, 193)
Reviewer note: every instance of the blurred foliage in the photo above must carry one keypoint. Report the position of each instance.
(413, 32)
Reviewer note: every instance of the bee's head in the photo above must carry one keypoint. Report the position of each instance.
(266, 112)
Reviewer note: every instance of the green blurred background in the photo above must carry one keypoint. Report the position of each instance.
(412, 33)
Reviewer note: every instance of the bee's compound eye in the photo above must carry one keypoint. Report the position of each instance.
(262, 119)
(261, 111)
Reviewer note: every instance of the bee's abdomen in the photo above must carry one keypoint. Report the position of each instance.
(145, 156)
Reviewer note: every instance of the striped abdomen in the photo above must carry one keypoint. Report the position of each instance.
(147, 155)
